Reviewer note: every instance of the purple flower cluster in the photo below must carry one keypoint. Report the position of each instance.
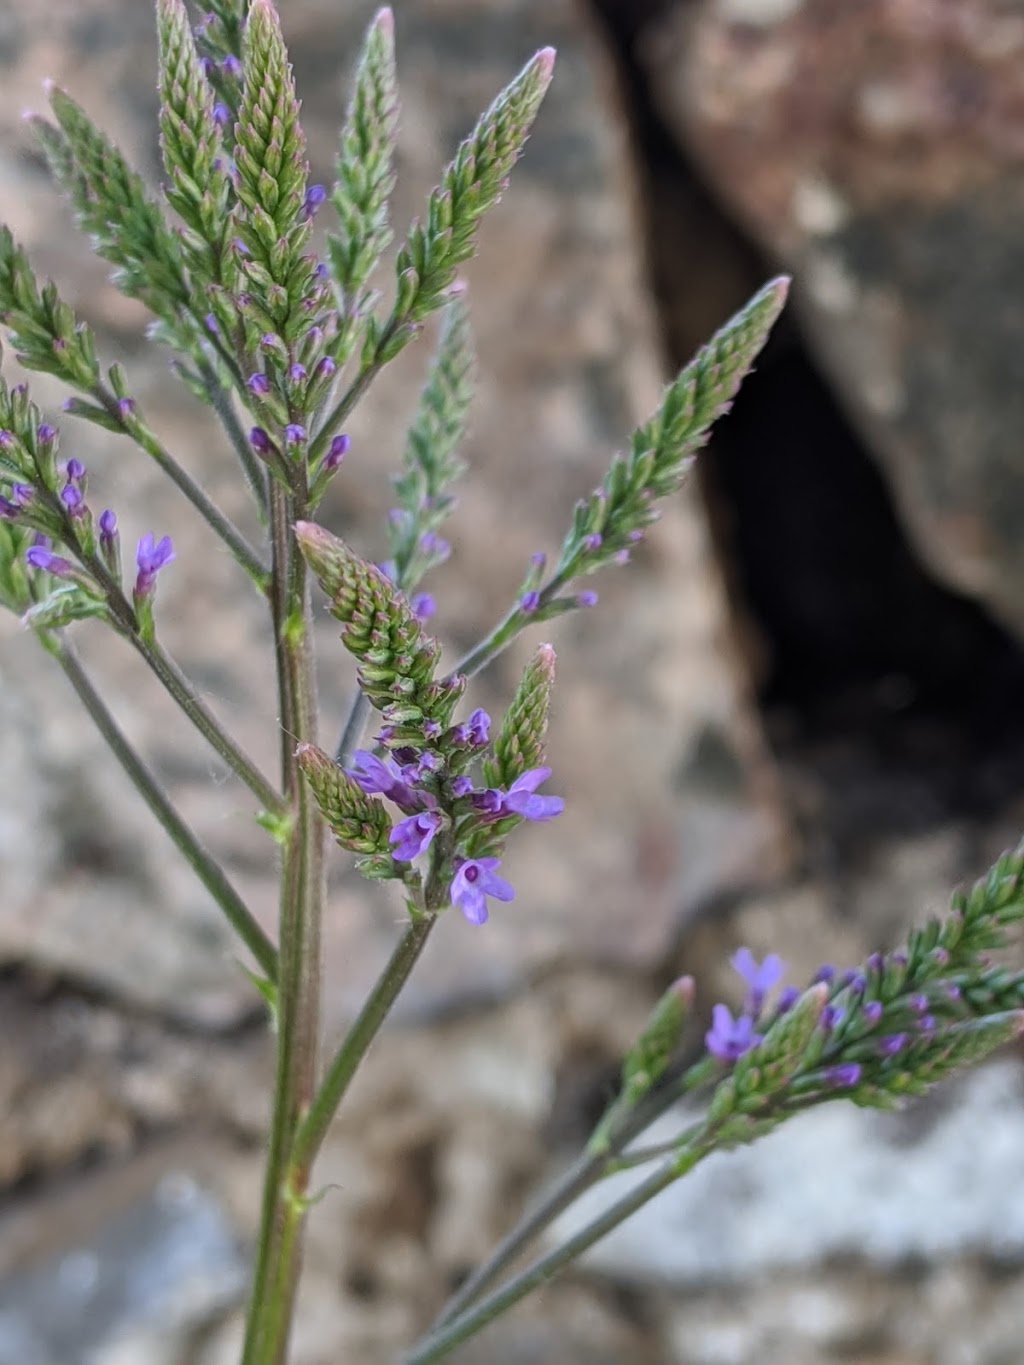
(730, 1038)
(415, 781)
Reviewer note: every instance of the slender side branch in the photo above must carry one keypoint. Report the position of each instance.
(206, 723)
(209, 872)
(454, 1333)
(255, 475)
(313, 1128)
(204, 505)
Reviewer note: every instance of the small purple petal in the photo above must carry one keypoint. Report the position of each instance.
(41, 558)
(529, 601)
(297, 372)
(325, 367)
(461, 785)
(336, 451)
(260, 441)
(586, 598)
(44, 432)
(872, 1012)
(891, 1044)
(75, 469)
(730, 1038)
(108, 524)
(294, 434)
(315, 196)
(412, 835)
(258, 383)
(844, 1075)
(423, 606)
(473, 882)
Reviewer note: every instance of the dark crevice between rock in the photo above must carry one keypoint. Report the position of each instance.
(901, 696)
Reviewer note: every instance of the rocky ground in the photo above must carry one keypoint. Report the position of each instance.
(791, 724)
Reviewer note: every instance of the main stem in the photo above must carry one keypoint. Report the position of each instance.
(285, 1194)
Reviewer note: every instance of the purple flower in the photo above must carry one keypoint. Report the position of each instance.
(520, 798)
(855, 980)
(423, 606)
(296, 372)
(108, 525)
(126, 407)
(22, 493)
(473, 882)
(586, 598)
(72, 498)
(260, 441)
(872, 1012)
(221, 114)
(44, 432)
(759, 977)
(315, 196)
(788, 998)
(825, 973)
(830, 1017)
(8, 510)
(891, 1044)
(231, 66)
(258, 383)
(325, 367)
(412, 835)
(41, 558)
(918, 1003)
(74, 469)
(474, 731)
(461, 785)
(845, 1074)
(294, 434)
(150, 558)
(212, 325)
(530, 601)
(336, 451)
(592, 541)
(729, 1038)
(374, 777)
(433, 544)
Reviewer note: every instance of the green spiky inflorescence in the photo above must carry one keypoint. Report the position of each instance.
(662, 450)
(519, 743)
(471, 184)
(365, 180)
(397, 660)
(270, 184)
(191, 143)
(126, 226)
(359, 823)
(430, 463)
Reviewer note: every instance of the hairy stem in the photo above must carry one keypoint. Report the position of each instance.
(209, 872)
(285, 1197)
(313, 1128)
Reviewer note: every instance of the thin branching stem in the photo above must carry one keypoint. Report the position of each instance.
(206, 868)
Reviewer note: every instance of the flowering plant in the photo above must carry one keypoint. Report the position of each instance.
(282, 345)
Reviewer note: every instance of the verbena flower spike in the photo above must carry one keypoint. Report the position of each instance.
(282, 346)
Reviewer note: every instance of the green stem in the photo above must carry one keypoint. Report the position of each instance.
(255, 474)
(504, 632)
(206, 723)
(352, 729)
(440, 1343)
(592, 1167)
(313, 1128)
(343, 407)
(229, 533)
(198, 858)
(285, 1196)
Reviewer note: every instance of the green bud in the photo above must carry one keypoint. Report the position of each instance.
(519, 744)
(359, 822)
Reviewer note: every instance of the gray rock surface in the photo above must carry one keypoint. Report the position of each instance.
(876, 151)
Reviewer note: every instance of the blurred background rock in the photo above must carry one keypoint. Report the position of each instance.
(795, 722)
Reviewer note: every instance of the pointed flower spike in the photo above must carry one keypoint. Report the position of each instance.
(519, 744)
(359, 822)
